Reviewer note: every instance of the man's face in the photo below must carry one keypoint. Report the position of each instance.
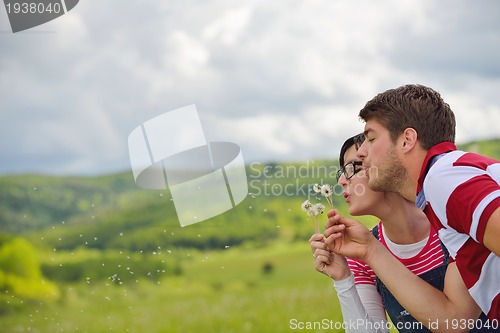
(380, 156)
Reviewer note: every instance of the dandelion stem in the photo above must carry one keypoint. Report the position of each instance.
(316, 227)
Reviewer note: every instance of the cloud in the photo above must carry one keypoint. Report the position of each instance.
(283, 79)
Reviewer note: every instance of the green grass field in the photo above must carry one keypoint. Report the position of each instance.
(244, 289)
(120, 262)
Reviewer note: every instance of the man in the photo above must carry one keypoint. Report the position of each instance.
(409, 149)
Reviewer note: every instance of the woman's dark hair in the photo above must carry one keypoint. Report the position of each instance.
(356, 140)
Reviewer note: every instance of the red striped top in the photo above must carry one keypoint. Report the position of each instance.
(462, 190)
(431, 256)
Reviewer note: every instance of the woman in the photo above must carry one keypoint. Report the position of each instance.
(404, 230)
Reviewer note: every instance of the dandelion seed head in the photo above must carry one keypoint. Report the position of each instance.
(319, 208)
(326, 190)
(306, 206)
(317, 188)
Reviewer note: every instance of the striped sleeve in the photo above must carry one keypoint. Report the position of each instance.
(465, 195)
(462, 191)
(363, 274)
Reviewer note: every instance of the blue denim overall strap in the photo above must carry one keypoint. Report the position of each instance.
(402, 318)
(404, 322)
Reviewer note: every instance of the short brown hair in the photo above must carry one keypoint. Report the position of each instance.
(415, 106)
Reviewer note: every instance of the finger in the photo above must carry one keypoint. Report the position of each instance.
(322, 253)
(348, 222)
(333, 219)
(332, 212)
(319, 245)
(316, 237)
(330, 240)
(322, 259)
(334, 229)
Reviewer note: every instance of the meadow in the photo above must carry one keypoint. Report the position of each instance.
(244, 289)
(97, 254)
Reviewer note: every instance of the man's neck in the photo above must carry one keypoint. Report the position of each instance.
(414, 162)
(404, 223)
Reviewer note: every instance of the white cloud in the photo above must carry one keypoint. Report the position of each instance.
(228, 27)
(262, 74)
(187, 56)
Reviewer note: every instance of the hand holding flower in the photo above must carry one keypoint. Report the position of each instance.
(327, 262)
(348, 237)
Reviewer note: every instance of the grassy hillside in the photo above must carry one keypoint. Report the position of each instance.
(489, 148)
(111, 212)
(101, 255)
(122, 262)
(34, 202)
(235, 290)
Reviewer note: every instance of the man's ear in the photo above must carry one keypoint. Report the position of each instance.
(409, 139)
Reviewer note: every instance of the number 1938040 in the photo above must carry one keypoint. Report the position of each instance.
(33, 8)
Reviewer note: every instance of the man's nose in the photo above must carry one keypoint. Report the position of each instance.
(361, 152)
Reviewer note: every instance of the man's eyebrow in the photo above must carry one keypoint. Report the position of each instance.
(366, 132)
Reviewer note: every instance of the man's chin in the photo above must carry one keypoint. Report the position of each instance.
(375, 185)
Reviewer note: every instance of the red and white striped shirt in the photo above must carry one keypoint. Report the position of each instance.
(461, 191)
(430, 257)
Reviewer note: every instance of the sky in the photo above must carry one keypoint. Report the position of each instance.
(283, 79)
